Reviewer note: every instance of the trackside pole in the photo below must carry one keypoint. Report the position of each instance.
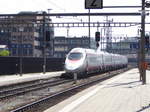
(75, 77)
(142, 47)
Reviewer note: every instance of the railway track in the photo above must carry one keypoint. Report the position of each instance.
(6, 94)
(81, 84)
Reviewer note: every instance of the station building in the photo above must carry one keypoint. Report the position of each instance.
(62, 45)
(125, 45)
(24, 34)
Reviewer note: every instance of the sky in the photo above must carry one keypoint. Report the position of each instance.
(14, 6)
(78, 6)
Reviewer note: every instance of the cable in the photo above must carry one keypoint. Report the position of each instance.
(54, 4)
(38, 4)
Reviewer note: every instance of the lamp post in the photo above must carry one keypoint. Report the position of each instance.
(44, 44)
(21, 30)
(89, 30)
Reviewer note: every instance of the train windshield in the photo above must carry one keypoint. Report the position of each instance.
(75, 56)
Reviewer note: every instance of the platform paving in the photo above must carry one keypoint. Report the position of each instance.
(122, 93)
(16, 78)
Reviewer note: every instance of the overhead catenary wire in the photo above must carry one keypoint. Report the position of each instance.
(39, 4)
(45, 4)
(57, 6)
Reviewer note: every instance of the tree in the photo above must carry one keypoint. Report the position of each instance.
(4, 53)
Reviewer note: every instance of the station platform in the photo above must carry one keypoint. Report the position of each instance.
(122, 93)
(16, 78)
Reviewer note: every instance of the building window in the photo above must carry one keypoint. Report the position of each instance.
(25, 52)
(29, 46)
(55, 55)
(14, 38)
(14, 29)
(25, 38)
(86, 41)
(60, 41)
(14, 52)
(60, 48)
(30, 52)
(31, 38)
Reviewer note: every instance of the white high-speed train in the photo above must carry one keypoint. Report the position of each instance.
(85, 61)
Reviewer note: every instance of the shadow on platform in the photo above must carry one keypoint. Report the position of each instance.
(144, 108)
(130, 84)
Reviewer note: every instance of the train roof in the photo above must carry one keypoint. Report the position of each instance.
(98, 51)
(82, 50)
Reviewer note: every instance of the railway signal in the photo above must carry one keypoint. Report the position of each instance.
(97, 44)
(147, 42)
(97, 36)
(147, 4)
(47, 35)
(147, 39)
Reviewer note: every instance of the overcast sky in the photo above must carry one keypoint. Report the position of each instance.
(14, 6)
(65, 6)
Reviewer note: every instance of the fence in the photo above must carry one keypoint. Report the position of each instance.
(11, 65)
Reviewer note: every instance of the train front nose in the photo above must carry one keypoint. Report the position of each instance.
(72, 66)
(73, 62)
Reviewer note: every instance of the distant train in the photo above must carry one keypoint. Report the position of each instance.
(85, 61)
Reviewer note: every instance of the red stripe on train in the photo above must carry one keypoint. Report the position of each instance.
(73, 60)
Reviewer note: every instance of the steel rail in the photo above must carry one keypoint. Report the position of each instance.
(7, 91)
(26, 89)
(45, 100)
